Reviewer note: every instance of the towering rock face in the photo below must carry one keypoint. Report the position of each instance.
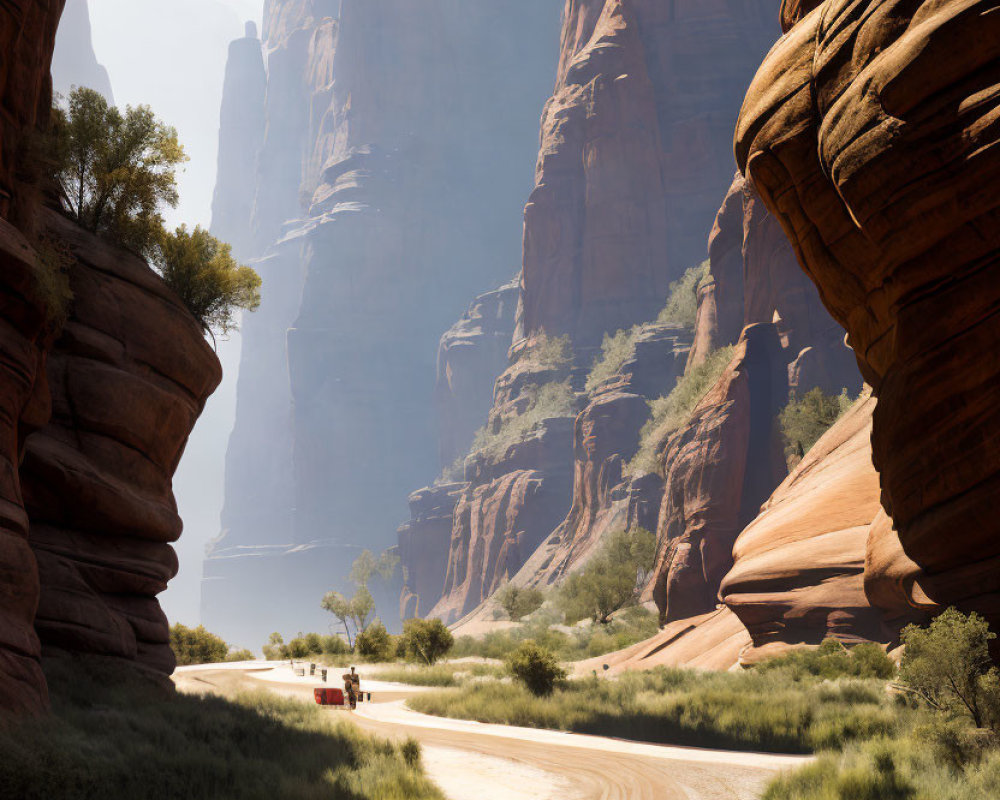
(799, 571)
(27, 37)
(241, 136)
(129, 376)
(870, 134)
(720, 467)
(74, 62)
(635, 155)
(635, 149)
(472, 353)
(390, 184)
(754, 278)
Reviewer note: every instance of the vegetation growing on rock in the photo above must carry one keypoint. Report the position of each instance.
(611, 580)
(544, 402)
(804, 420)
(615, 352)
(670, 412)
(520, 601)
(682, 304)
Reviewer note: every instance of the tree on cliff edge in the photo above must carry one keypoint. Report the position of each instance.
(115, 169)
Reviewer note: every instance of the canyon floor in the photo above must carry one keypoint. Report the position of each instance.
(470, 760)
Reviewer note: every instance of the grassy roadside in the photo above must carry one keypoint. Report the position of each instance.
(116, 733)
(779, 710)
(439, 676)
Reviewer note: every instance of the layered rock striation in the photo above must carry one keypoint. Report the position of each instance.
(129, 375)
(27, 37)
(870, 134)
(799, 566)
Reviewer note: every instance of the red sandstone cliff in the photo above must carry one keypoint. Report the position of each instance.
(27, 37)
(129, 376)
(870, 134)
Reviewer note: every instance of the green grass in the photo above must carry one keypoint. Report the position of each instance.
(439, 675)
(900, 768)
(762, 711)
(671, 412)
(630, 626)
(116, 733)
(615, 352)
(545, 402)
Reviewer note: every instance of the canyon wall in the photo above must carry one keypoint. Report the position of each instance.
(129, 376)
(27, 37)
(870, 133)
(394, 163)
(634, 157)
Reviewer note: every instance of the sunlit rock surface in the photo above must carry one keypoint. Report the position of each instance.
(871, 134)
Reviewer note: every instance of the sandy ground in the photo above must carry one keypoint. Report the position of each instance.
(474, 761)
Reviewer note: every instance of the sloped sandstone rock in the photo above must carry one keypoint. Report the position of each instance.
(129, 376)
(720, 466)
(799, 571)
(870, 133)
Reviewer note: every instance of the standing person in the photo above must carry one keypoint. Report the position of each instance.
(352, 685)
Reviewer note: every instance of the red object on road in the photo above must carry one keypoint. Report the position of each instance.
(329, 697)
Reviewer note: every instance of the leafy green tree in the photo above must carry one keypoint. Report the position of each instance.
(197, 646)
(519, 601)
(804, 420)
(368, 566)
(354, 614)
(948, 666)
(535, 667)
(375, 643)
(427, 639)
(115, 170)
(235, 656)
(276, 649)
(202, 272)
(611, 580)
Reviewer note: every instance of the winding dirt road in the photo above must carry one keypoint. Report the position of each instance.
(526, 764)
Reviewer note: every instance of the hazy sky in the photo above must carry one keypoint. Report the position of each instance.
(171, 55)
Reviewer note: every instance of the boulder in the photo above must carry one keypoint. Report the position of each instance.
(869, 133)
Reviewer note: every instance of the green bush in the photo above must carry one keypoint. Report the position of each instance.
(682, 304)
(197, 646)
(427, 640)
(240, 655)
(615, 353)
(520, 601)
(276, 649)
(762, 711)
(374, 643)
(115, 732)
(671, 412)
(544, 402)
(115, 170)
(804, 420)
(549, 352)
(202, 272)
(611, 579)
(947, 665)
(535, 667)
(833, 660)
(627, 627)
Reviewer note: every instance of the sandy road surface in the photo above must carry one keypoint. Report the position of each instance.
(472, 761)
